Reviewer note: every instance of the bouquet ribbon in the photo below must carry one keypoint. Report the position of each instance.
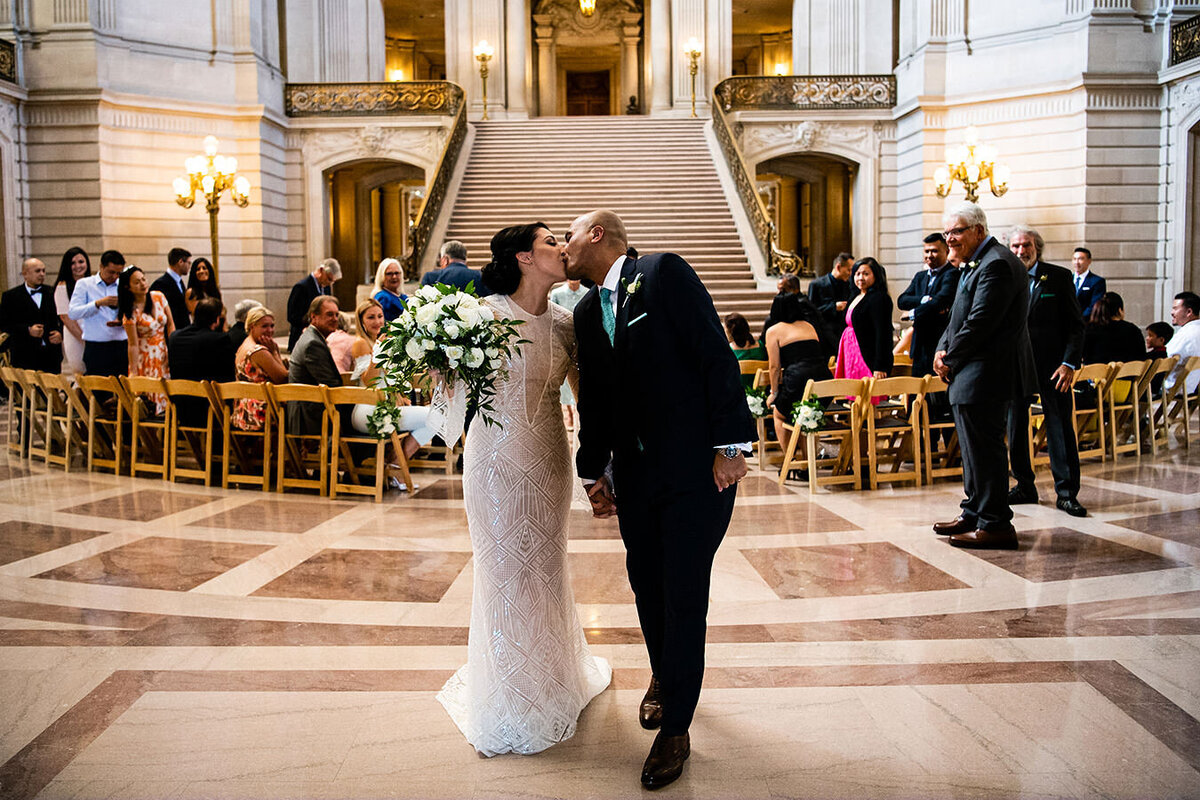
(447, 412)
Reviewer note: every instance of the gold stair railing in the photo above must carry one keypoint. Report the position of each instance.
(785, 93)
(396, 98)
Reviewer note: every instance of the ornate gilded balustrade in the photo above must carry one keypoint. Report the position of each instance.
(1185, 40)
(8, 61)
(408, 98)
(785, 93)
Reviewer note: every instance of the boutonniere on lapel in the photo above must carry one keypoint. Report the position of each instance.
(972, 265)
(632, 286)
(1042, 278)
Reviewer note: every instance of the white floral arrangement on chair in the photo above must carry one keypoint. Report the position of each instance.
(384, 419)
(449, 333)
(808, 416)
(756, 400)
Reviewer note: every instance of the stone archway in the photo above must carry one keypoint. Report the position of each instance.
(813, 196)
(568, 44)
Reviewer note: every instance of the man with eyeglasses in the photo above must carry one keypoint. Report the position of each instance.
(985, 357)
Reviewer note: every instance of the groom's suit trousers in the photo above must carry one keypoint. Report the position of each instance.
(671, 538)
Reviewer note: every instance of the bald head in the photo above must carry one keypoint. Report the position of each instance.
(34, 272)
(594, 241)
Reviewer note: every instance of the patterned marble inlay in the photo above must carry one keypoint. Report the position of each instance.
(1178, 526)
(292, 515)
(1156, 477)
(792, 517)
(1060, 554)
(846, 569)
(140, 506)
(158, 563)
(385, 575)
(24, 539)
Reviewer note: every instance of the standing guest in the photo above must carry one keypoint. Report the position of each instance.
(318, 284)
(179, 262)
(201, 283)
(865, 349)
(30, 318)
(312, 363)
(453, 270)
(928, 298)
(1089, 287)
(788, 284)
(389, 288)
(831, 294)
(795, 355)
(985, 357)
(257, 361)
(1109, 337)
(1185, 315)
(568, 296)
(201, 352)
(148, 324)
(94, 306)
(75, 267)
(1056, 334)
(341, 342)
(237, 331)
(412, 418)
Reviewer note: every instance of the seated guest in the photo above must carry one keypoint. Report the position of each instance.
(1185, 315)
(795, 354)
(341, 342)
(30, 318)
(1108, 337)
(742, 342)
(389, 288)
(201, 352)
(257, 361)
(312, 363)
(788, 284)
(237, 331)
(1158, 334)
(865, 349)
(202, 283)
(412, 418)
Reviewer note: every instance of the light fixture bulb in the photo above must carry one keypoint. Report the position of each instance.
(1002, 173)
(587, 7)
(180, 186)
(207, 183)
(973, 173)
(781, 68)
(971, 136)
(941, 176)
(210, 146)
(692, 47)
(241, 186)
(230, 165)
(484, 50)
(219, 164)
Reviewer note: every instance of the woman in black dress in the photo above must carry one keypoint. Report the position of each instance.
(796, 352)
(1109, 337)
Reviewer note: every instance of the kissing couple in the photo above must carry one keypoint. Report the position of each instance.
(663, 432)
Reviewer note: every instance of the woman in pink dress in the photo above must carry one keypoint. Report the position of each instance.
(865, 350)
(147, 320)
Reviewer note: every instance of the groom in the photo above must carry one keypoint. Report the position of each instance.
(663, 431)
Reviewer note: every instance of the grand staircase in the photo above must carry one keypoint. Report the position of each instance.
(657, 174)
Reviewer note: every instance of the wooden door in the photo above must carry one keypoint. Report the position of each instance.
(588, 94)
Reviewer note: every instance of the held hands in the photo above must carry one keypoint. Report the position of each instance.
(841, 305)
(939, 366)
(728, 471)
(35, 331)
(1064, 378)
(604, 502)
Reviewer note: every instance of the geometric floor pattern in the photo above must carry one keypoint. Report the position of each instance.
(170, 641)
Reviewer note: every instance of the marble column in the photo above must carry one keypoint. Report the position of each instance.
(547, 68)
(661, 69)
(391, 220)
(801, 22)
(516, 50)
(630, 36)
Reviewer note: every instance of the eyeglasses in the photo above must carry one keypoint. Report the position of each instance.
(956, 231)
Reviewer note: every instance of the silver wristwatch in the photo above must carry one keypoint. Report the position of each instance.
(731, 452)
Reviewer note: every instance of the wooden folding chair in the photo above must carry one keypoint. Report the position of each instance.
(1178, 403)
(18, 420)
(105, 421)
(843, 429)
(149, 433)
(35, 412)
(298, 452)
(943, 457)
(1156, 426)
(902, 366)
(1125, 406)
(348, 474)
(897, 419)
(1089, 392)
(199, 438)
(238, 446)
(762, 380)
(66, 422)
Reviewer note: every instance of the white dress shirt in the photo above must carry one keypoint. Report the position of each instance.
(92, 318)
(1185, 343)
(36, 293)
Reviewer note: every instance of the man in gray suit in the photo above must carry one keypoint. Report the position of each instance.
(986, 358)
(312, 363)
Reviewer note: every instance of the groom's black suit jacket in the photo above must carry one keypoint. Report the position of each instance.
(668, 388)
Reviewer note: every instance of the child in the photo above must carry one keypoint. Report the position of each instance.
(1157, 336)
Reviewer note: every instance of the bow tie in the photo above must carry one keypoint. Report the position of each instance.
(34, 290)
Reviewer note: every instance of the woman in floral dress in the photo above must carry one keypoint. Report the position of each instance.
(147, 320)
(257, 361)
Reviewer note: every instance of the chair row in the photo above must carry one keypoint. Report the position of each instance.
(112, 421)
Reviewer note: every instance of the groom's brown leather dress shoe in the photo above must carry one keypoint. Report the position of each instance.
(665, 762)
(999, 539)
(650, 712)
(956, 525)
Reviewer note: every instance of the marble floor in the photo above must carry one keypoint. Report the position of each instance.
(171, 641)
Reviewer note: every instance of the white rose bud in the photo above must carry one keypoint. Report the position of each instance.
(413, 349)
(474, 358)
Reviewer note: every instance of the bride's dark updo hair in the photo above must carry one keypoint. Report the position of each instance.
(502, 274)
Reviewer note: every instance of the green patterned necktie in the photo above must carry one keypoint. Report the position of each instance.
(607, 316)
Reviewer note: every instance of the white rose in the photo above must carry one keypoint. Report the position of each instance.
(452, 330)
(468, 315)
(492, 352)
(413, 349)
(453, 352)
(388, 427)
(474, 358)
(429, 293)
(426, 315)
(486, 314)
(494, 363)
(428, 344)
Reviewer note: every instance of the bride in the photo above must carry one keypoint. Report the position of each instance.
(529, 672)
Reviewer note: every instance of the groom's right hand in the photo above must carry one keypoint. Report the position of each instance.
(600, 495)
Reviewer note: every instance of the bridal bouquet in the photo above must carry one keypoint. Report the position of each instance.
(449, 332)
(808, 416)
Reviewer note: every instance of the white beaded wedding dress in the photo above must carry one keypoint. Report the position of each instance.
(529, 672)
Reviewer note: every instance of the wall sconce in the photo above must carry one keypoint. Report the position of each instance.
(693, 52)
(483, 54)
(970, 164)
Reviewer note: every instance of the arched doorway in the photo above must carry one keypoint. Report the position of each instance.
(416, 40)
(370, 206)
(588, 65)
(811, 198)
(762, 37)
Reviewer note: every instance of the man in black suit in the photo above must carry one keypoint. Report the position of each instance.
(985, 357)
(788, 284)
(29, 317)
(201, 352)
(648, 334)
(929, 297)
(317, 284)
(453, 270)
(312, 363)
(179, 261)
(1056, 333)
(1089, 287)
(831, 294)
